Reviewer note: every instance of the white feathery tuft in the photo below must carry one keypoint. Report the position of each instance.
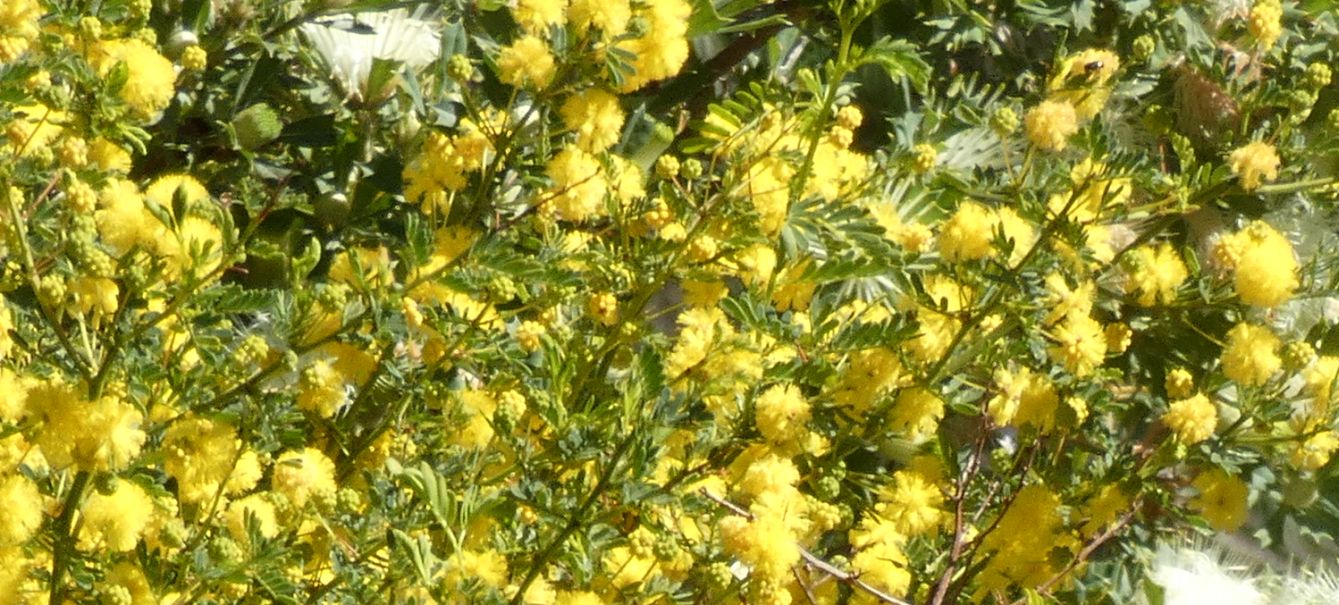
(350, 43)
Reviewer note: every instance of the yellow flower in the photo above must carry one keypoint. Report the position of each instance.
(611, 17)
(1082, 81)
(1222, 499)
(473, 419)
(98, 435)
(151, 79)
(199, 453)
(968, 234)
(18, 27)
(1193, 420)
(766, 543)
(1103, 508)
(13, 395)
(782, 412)
(1251, 355)
(108, 156)
(1037, 404)
(579, 186)
(916, 412)
(321, 390)
(115, 521)
(304, 475)
(526, 62)
(1265, 22)
(1080, 344)
(769, 474)
(911, 504)
(537, 16)
(595, 116)
(1315, 452)
(1050, 124)
(1155, 274)
(663, 47)
(1254, 163)
(1265, 266)
(1020, 547)
(488, 567)
(23, 508)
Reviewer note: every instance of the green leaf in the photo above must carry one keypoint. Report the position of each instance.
(899, 58)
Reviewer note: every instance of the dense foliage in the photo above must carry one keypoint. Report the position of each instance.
(602, 301)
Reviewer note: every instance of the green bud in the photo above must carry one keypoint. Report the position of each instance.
(691, 168)
(1318, 75)
(256, 126)
(1004, 121)
(460, 69)
(1298, 355)
(1143, 48)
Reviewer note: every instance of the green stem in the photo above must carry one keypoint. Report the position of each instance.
(542, 560)
(63, 545)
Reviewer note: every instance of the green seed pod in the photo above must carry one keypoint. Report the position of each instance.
(256, 126)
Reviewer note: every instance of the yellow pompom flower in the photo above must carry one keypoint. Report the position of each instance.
(1080, 344)
(537, 16)
(663, 47)
(595, 116)
(1266, 268)
(105, 434)
(912, 504)
(1050, 124)
(1020, 547)
(1251, 355)
(1255, 163)
(116, 521)
(304, 475)
(18, 27)
(527, 62)
(579, 186)
(321, 390)
(782, 412)
(1222, 500)
(765, 543)
(151, 80)
(1265, 22)
(769, 474)
(968, 234)
(13, 389)
(23, 508)
(916, 412)
(611, 17)
(108, 156)
(1155, 274)
(1192, 419)
(1082, 80)
(194, 58)
(199, 453)
(1315, 451)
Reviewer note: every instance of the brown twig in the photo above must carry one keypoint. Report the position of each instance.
(960, 499)
(812, 560)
